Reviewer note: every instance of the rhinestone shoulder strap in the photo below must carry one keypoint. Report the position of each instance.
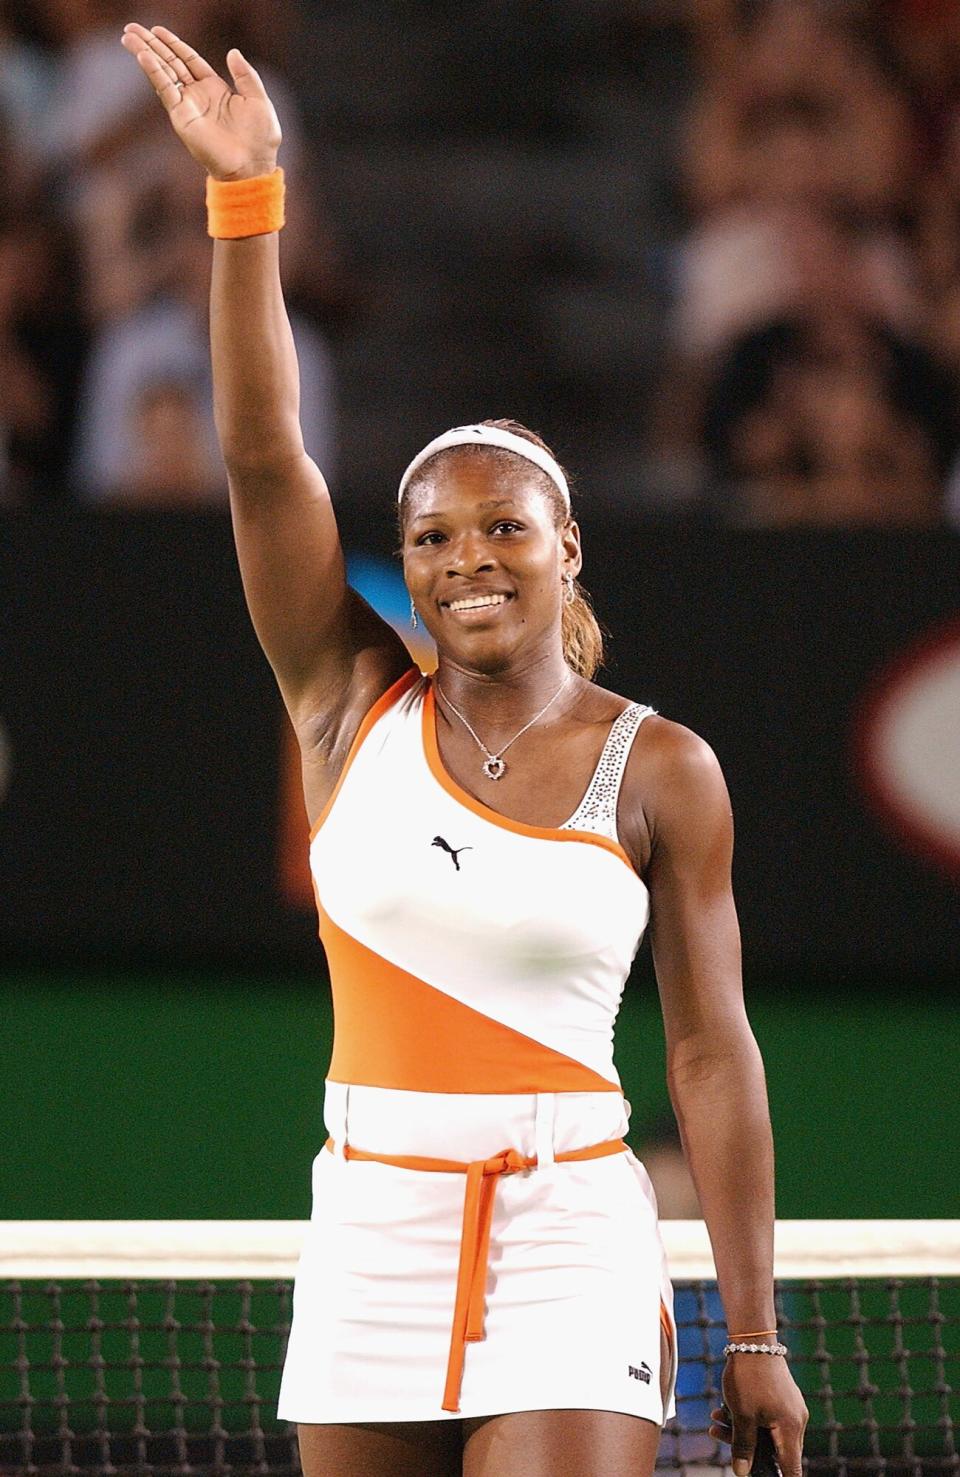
(597, 810)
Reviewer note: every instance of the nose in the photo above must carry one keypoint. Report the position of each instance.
(468, 554)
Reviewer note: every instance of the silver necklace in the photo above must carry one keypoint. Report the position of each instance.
(494, 766)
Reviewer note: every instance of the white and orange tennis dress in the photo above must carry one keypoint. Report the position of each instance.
(481, 1240)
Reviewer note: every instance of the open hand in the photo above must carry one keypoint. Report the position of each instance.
(234, 131)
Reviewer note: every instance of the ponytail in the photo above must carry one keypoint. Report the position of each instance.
(581, 635)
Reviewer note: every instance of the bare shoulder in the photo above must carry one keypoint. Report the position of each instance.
(677, 753)
(674, 795)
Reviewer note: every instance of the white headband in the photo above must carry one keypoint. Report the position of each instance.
(490, 436)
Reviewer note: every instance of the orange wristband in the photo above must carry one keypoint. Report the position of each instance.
(245, 207)
(737, 1338)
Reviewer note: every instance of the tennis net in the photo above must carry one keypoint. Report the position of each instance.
(147, 1347)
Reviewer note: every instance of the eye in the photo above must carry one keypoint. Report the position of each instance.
(507, 525)
(431, 537)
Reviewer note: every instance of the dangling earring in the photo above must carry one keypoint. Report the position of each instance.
(569, 593)
(413, 615)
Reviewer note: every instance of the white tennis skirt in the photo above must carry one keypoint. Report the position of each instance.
(575, 1284)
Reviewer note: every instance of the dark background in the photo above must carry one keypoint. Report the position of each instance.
(142, 820)
(166, 1011)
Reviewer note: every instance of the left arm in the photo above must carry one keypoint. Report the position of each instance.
(714, 1071)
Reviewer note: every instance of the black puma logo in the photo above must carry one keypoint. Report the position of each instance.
(439, 841)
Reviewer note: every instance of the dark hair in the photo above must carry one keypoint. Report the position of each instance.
(580, 632)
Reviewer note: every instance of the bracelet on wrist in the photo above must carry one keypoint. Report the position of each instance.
(762, 1333)
(747, 1348)
(245, 207)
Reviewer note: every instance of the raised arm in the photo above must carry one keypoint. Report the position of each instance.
(331, 654)
(714, 1069)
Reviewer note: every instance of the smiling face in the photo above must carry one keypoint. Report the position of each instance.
(484, 558)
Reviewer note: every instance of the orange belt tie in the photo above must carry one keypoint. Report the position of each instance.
(482, 1176)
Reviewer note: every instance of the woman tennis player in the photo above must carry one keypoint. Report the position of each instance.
(482, 1289)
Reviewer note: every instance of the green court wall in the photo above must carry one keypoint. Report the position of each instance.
(180, 1096)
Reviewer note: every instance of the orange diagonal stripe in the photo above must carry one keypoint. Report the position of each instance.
(393, 1030)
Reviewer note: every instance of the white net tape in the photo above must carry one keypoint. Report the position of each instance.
(267, 1249)
(155, 1347)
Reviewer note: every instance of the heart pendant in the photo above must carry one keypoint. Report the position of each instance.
(493, 767)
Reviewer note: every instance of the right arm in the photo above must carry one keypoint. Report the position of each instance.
(332, 655)
(329, 651)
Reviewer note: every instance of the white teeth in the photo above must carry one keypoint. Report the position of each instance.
(477, 601)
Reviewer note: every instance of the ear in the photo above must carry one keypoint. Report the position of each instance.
(572, 558)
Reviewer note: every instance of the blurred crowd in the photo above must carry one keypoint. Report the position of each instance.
(812, 312)
(104, 261)
(815, 336)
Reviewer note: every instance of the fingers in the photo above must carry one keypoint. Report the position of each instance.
(245, 79)
(193, 62)
(164, 80)
(774, 1455)
(789, 1457)
(183, 65)
(742, 1446)
(171, 61)
(789, 1448)
(720, 1427)
(786, 1457)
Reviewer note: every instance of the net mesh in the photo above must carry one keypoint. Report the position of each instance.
(152, 1377)
(174, 1374)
